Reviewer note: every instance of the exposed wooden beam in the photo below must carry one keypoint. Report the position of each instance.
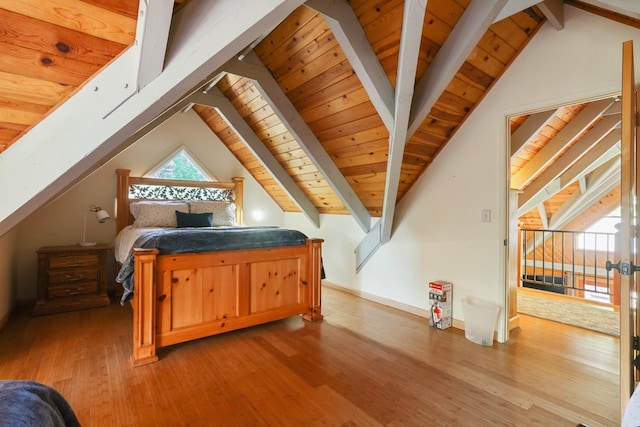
(567, 159)
(603, 150)
(472, 25)
(410, 38)
(74, 139)
(582, 184)
(553, 10)
(152, 33)
(464, 37)
(544, 219)
(564, 138)
(354, 43)
(529, 129)
(513, 7)
(412, 22)
(601, 182)
(215, 98)
(252, 68)
(368, 246)
(606, 150)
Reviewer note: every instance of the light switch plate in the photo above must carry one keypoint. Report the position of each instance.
(486, 215)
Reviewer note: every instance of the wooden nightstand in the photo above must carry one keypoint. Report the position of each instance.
(71, 278)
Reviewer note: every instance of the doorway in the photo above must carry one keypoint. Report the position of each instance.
(564, 175)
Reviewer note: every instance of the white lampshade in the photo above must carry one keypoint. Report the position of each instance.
(102, 216)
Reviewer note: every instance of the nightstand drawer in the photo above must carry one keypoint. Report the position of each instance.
(70, 290)
(71, 261)
(72, 276)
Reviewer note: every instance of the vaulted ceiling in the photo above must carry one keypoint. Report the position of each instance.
(565, 164)
(337, 108)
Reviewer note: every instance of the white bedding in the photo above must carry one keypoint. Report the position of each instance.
(126, 238)
(632, 412)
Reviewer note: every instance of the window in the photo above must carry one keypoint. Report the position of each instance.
(181, 164)
(595, 237)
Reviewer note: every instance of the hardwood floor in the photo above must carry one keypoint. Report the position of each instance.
(365, 365)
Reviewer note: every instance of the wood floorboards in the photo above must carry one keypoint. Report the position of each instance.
(365, 365)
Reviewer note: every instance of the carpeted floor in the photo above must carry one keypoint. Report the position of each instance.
(595, 318)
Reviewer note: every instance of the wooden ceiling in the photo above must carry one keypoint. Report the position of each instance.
(49, 49)
(565, 164)
(322, 113)
(309, 65)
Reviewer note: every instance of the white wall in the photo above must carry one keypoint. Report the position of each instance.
(341, 234)
(438, 230)
(60, 222)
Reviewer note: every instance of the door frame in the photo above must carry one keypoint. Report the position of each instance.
(628, 205)
(511, 241)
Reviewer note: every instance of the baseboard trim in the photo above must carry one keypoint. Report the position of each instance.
(420, 312)
(514, 322)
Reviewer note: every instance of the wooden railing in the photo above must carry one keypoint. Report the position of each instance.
(569, 262)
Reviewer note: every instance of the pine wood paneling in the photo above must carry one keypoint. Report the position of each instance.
(54, 68)
(237, 147)
(496, 50)
(49, 49)
(561, 118)
(97, 21)
(51, 39)
(74, 39)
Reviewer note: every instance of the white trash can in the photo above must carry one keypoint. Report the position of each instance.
(479, 320)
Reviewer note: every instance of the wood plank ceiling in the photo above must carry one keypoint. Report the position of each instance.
(565, 164)
(48, 50)
(309, 65)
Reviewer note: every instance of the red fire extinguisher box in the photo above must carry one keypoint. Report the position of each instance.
(440, 300)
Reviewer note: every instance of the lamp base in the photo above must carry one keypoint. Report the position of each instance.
(87, 243)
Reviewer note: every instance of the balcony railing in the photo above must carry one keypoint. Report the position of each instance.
(569, 262)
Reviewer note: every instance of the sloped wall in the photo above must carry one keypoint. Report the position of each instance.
(60, 222)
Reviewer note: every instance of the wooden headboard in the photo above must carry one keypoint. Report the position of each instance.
(125, 183)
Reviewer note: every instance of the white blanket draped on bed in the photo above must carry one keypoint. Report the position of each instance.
(125, 240)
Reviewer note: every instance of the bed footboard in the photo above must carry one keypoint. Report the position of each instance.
(144, 307)
(183, 297)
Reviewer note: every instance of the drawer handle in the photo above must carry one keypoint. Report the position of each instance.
(71, 278)
(75, 264)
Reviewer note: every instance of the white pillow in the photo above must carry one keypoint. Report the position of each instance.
(157, 214)
(134, 206)
(224, 213)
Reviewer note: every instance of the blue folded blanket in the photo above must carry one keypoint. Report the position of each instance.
(28, 403)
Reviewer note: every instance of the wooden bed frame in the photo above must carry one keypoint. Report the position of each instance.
(182, 297)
